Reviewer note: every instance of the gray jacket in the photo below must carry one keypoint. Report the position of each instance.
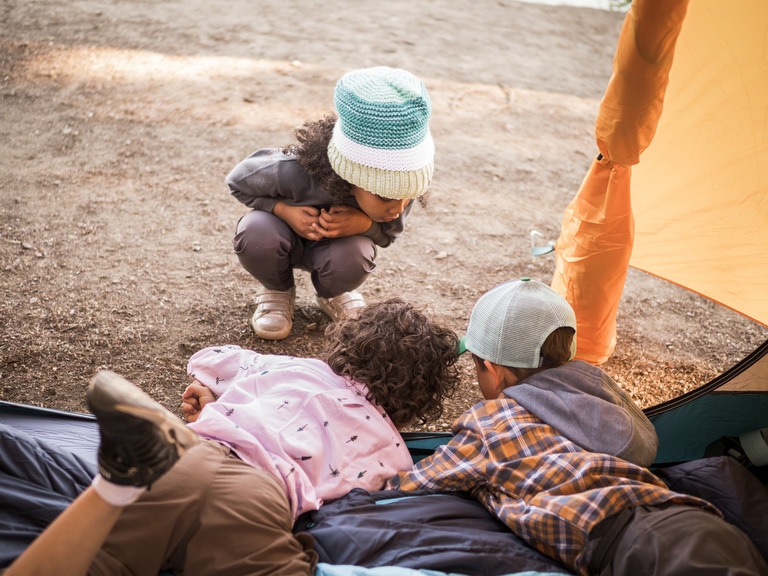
(268, 176)
(586, 406)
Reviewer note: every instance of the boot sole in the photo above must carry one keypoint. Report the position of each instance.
(110, 392)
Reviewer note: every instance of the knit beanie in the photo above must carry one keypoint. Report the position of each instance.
(381, 141)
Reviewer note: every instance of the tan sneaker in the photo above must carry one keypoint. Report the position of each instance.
(346, 305)
(273, 318)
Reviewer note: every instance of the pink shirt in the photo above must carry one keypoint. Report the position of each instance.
(296, 418)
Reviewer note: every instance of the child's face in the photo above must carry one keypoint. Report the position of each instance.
(377, 208)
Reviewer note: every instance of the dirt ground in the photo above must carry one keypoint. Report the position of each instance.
(120, 119)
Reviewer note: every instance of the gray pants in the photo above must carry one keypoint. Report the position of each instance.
(674, 540)
(270, 250)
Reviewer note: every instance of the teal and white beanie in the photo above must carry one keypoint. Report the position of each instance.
(381, 141)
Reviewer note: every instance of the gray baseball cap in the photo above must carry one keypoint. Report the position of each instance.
(510, 322)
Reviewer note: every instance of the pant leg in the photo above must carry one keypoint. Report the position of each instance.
(268, 249)
(678, 541)
(245, 528)
(148, 532)
(339, 265)
(168, 527)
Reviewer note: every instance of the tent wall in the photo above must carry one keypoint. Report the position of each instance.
(729, 405)
(685, 432)
(755, 379)
(700, 191)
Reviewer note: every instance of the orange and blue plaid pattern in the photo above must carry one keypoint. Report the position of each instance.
(549, 491)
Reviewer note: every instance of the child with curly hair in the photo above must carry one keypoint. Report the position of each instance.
(270, 437)
(326, 203)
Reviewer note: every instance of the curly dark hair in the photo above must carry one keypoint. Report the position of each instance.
(406, 361)
(312, 153)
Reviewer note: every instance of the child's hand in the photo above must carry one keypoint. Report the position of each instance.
(302, 219)
(194, 399)
(341, 221)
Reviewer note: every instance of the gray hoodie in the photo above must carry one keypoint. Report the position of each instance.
(586, 406)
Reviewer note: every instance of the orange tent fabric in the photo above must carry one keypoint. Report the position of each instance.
(700, 193)
(597, 232)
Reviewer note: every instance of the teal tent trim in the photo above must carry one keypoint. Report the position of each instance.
(687, 424)
(685, 431)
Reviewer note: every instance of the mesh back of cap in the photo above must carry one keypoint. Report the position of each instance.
(509, 323)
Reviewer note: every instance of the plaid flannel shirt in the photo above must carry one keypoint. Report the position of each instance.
(549, 491)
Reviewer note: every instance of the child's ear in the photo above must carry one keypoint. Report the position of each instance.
(497, 377)
(502, 376)
(491, 367)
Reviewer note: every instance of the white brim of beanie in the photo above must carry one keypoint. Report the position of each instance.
(395, 159)
(393, 184)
